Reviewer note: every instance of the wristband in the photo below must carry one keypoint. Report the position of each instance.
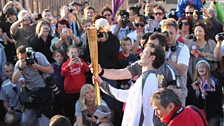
(102, 72)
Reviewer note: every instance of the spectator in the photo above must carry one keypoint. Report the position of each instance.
(41, 41)
(8, 17)
(124, 26)
(177, 55)
(219, 48)
(64, 37)
(77, 7)
(34, 81)
(59, 57)
(148, 9)
(86, 109)
(213, 26)
(73, 71)
(133, 13)
(22, 34)
(3, 60)
(89, 12)
(10, 95)
(137, 110)
(59, 120)
(159, 14)
(47, 15)
(107, 13)
(185, 30)
(138, 33)
(166, 103)
(183, 4)
(207, 93)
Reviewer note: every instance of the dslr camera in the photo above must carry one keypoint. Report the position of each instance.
(100, 34)
(220, 36)
(29, 60)
(125, 20)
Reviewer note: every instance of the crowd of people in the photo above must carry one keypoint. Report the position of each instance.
(156, 67)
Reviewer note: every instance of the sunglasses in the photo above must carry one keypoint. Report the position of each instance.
(139, 24)
(191, 13)
(105, 15)
(185, 23)
(158, 13)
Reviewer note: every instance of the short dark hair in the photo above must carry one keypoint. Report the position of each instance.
(126, 39)
(160, 8)
(161, 38)
(9, 63)
(21, 49)
(164, 96)
(106, 9)
(159, 54)
(59, 120)
(135, 10)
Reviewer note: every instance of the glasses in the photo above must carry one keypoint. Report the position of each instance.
(107, 15)
(158, 13)
(139, 24)
(185, 23)
(191, 13)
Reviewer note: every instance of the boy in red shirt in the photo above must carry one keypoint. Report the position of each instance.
(73, 70)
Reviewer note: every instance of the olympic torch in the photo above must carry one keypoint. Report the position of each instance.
(93, 48)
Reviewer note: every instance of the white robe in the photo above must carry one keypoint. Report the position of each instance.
(135, 99)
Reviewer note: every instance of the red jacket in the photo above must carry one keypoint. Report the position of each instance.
(188, 117)
(74, 76)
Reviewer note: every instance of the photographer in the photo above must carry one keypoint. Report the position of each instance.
(22, 29)
(41, 41)
(123, 27)
(64, 37)
(219, 48)
(30, 65)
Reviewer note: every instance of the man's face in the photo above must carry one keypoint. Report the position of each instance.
(21, 56)
(131, 15)
(107, 15)
(60, 27)
(47, 15)
(89, 13)
(145, 56)
(189, 12)
(172, 34)
(160, 111)
(12, 18)
(9, 71)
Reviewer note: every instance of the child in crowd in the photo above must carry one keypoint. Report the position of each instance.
(126, 57)
(73, 70)
(59, 58)
(207, 93)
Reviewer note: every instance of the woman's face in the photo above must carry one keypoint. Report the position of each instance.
(60, 27)
(45, 29)
(202, 69)
(185, 25)
(89, 95)
(199, 33)
(140, 26)
(108, 15)
(158, 14)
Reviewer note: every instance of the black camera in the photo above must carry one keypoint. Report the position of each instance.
(70, 9)
(158, 29)
(29, 60)
(199, 13)
(191, 36)
(100, 34)
(125, 20)
(220, 36)
(51, 81)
